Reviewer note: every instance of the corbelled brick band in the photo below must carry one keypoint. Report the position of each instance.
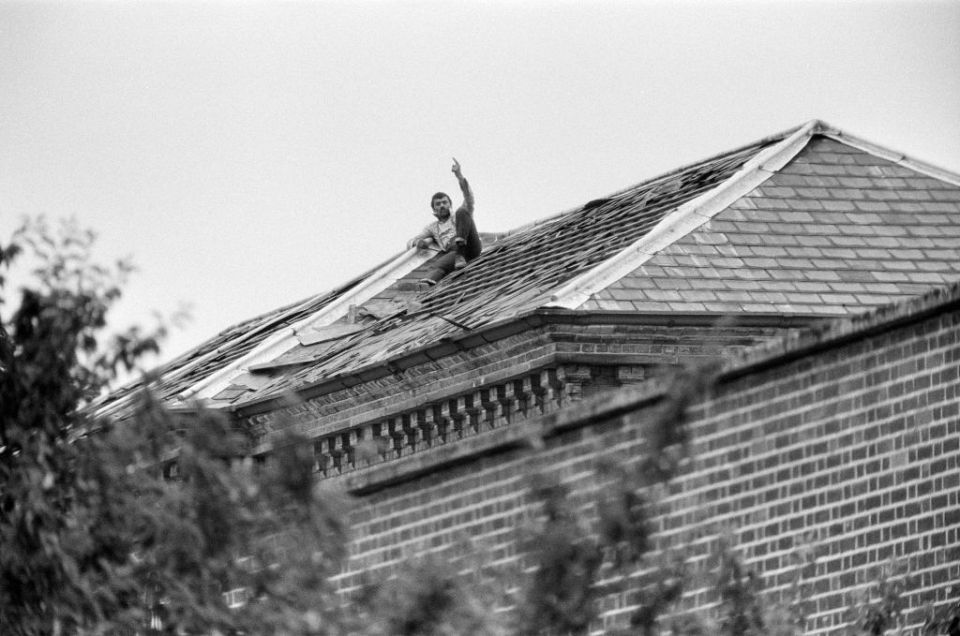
(845, 439)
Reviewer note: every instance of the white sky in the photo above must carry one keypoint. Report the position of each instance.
(248, 155)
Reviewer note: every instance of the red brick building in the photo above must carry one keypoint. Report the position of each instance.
(822, 269)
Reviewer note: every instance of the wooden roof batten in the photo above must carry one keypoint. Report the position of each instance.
(374, 283)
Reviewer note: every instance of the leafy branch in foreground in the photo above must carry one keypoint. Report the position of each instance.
(97, 536)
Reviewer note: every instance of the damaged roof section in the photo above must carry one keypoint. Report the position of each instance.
(517, 274)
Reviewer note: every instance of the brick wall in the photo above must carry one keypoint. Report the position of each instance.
(339, 408)
(846, 439)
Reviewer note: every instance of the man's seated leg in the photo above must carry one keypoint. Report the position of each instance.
(444, 264)
(467, 235)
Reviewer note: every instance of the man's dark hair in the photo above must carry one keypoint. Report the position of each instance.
(439, 195)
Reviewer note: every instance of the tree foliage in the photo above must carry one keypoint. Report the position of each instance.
(98, 536)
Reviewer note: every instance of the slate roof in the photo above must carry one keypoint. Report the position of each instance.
(835, 231)
(809, 222)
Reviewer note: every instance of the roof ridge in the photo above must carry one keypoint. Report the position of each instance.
(687, 217)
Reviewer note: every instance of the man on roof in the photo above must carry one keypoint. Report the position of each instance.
(454, 235)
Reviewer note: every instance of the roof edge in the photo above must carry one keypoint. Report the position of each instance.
(894, 156)
(686, 218)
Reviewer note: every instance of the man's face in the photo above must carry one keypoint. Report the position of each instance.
(441, 208)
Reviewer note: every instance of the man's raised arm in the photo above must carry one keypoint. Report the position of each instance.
(464, 188)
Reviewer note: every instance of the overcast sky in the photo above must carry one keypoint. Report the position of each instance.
(251, 154)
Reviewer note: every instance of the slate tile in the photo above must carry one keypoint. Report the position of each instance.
(613, 305)
(787, 179)
(709, 238)
(889, 230)
(663, 295)
(750, 228)
(767, 203)
(882, 195)
(672, 283)
(734, 211)
(860, 183)
(686, 307)
(848, 241)
(823, 169)
(807, 240)
(736, 251)
(721, 226)
(830, 263)
(780, 285)
(945, 195)
(907, 254)
(629, 294)
(740, 284)
(839, 252)
(874, 299)
(864, 218)
(771, 251)
(712, 283)
(734, 296)
(804, 252)
(810, 286)
(821, 228)
(813, 193)
(637, 282)
(929, 277)
(804, 299)
(892, 276)
(892, 265)
(805, 204)
(838, 299)
(652, 271)
(907, 206)
(747, 273)
(796, 263)
(821, 275)
(699, 295)
(761, 262)
(776, 239)
(844, 194)
(891, 170)
(650, 306)
(759, 307)
(883, 288)
(783, 274)
(859, 171)
(873, 253)
(873, 206)
(919, 182)
(837, 205)
(847, 287)
(931, 230)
